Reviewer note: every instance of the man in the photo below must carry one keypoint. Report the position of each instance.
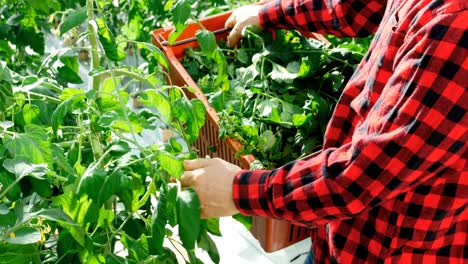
(391, 183)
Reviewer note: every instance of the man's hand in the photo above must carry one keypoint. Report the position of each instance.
(239, 19)
(212, 179)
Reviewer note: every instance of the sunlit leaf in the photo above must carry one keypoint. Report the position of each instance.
(108, 41)
(170, 164)
(73, 19)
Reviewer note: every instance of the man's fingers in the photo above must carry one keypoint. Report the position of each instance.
(235, 35)
(187, 179)
(195, 164)
(231, 21)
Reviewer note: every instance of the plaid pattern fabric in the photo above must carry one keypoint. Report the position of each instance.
(391, 184)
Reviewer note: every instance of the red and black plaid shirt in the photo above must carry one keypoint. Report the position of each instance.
(391, 184)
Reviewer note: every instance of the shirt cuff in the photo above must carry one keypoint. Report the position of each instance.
(248, 192)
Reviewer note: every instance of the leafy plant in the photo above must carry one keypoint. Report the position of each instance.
(78, 182)
(275, 92)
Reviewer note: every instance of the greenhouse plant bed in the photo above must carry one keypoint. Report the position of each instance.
(272, 234)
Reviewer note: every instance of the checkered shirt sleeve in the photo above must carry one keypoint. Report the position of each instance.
(392, 180)
(342, 18)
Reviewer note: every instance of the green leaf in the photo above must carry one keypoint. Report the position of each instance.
(71, 62)
(281, 74)
(21, 166)
(154, 98)
(52, 214)
(188, 214)
(14, 192)
(157, 53)
(268, 140)
(24, 236)
(132, 30)
(73, 19)
(207, 41)
(206, 243)
(62, 162)
(99, 186)
(31, 114)
(212, 226)
(15, 254)
(118, 121)
(109, 99)
(67, 75)
(170, 164)
(33, 143)
(159, 221)
(119, 148)
(108, 41)
(192, 114)
(60, 112)
(6, 96)
(247, 75)
(244, 220)
(171, 205)
(180, 14)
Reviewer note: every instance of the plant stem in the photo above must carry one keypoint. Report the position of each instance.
(93, 80)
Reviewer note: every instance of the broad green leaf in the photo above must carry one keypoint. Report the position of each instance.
(24, 236)
(108, 41)
(157, 53)
(76, 208)
(281, 74)
(192, 114)
(15, 254)
(172, 165)
(206, 243)
(21, 166)
(159, 221)
(73, 19)
(100, 185)
(188, 215)
(111, 94)
(71, 62)
(154, 98)
(33, 143)
(180, 14)
(31, 114)
(207, 41)
(117, 121)
(132, 30)
(65, 74)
